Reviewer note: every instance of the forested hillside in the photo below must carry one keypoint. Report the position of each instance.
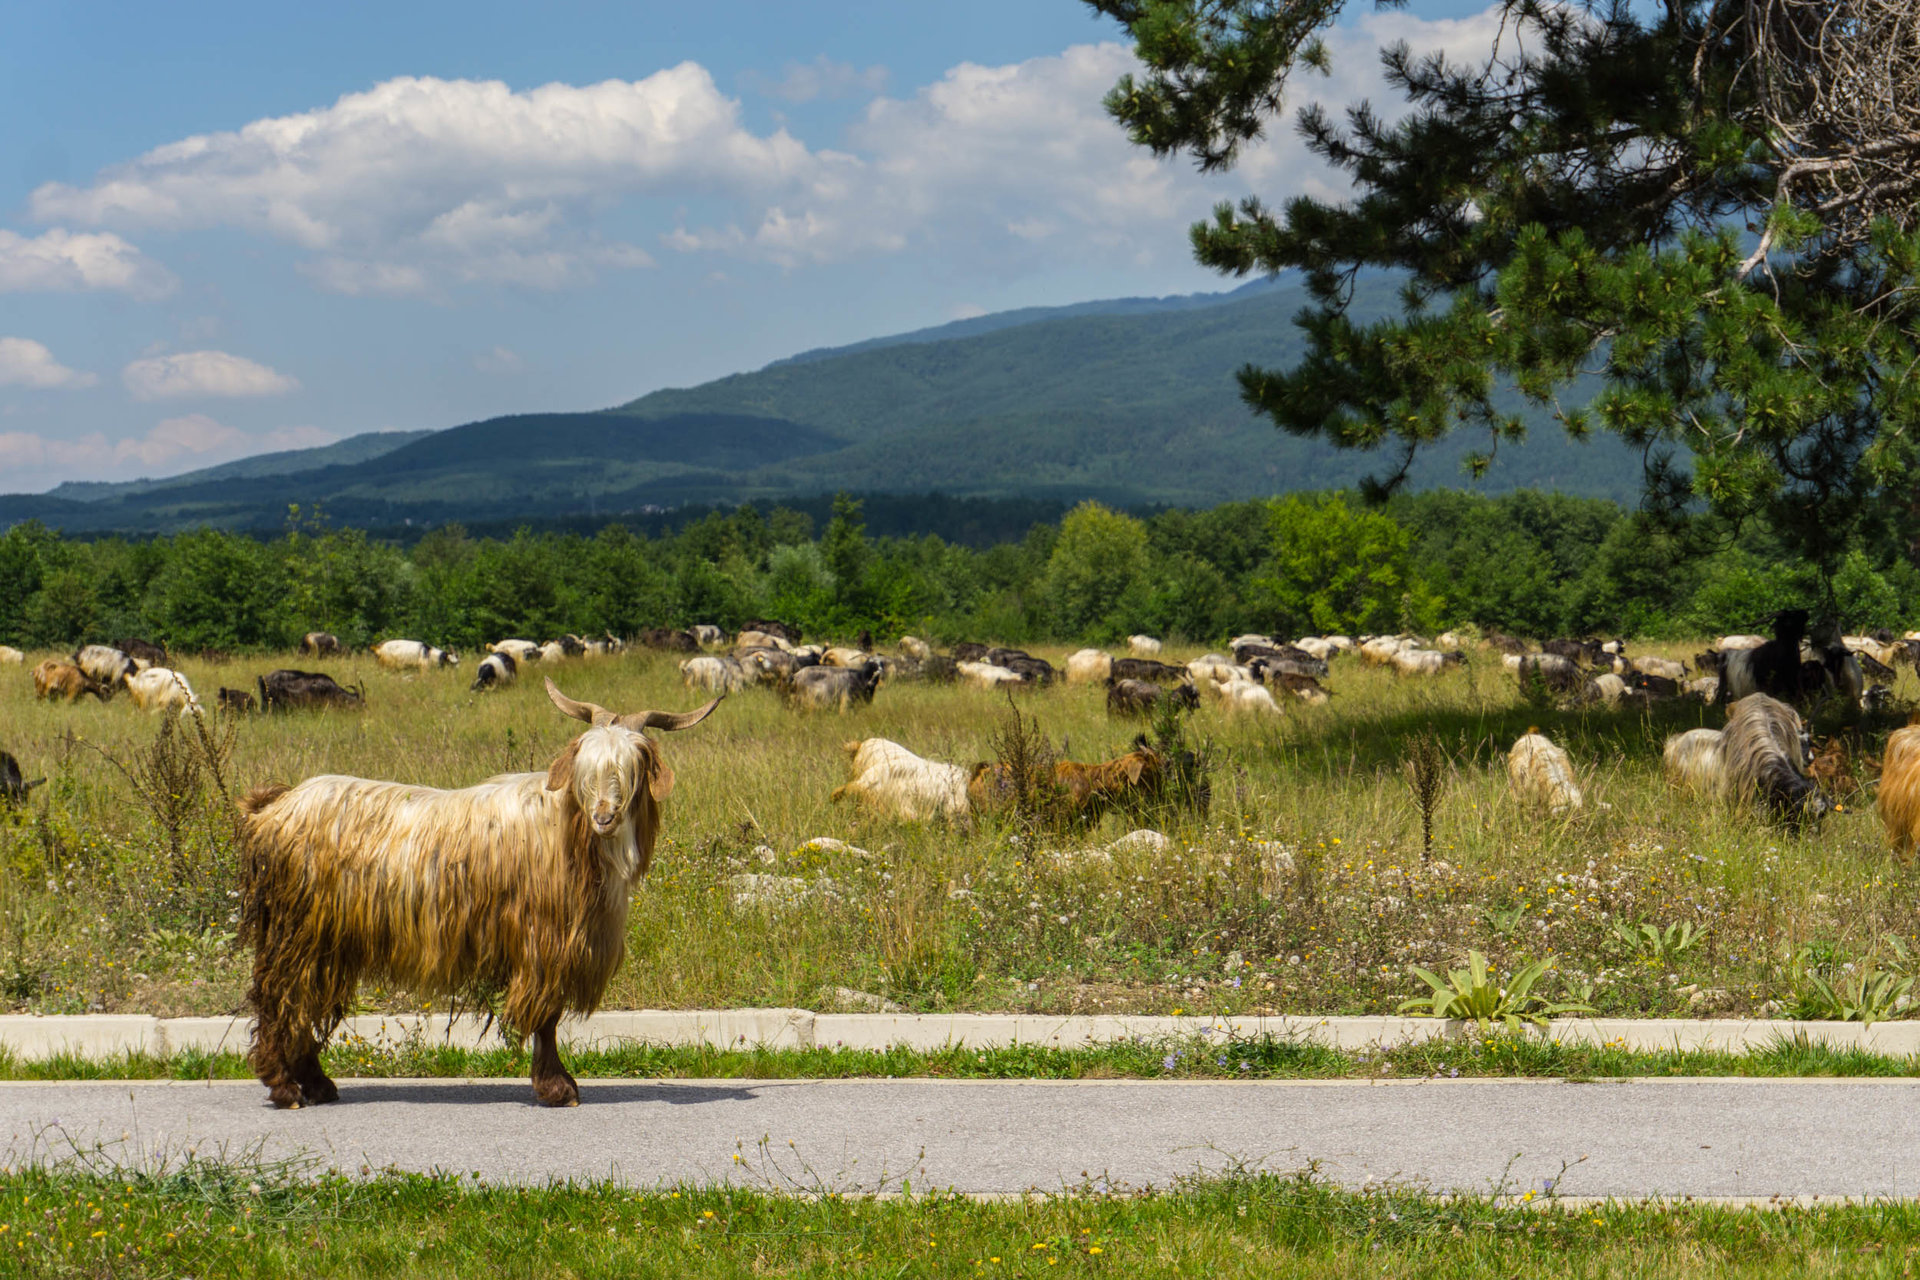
(1131, 402)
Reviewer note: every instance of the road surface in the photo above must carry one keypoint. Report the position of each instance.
(1643, 1138)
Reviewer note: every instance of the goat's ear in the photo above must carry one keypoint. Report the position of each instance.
(560, 772)
(659, 776)
(1135, 766)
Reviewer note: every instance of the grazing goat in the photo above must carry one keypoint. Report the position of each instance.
(708, 635)
(892, 781)
(13, 783)
(1142, 646)
(1146, 669)
(145, 653)
(162, 689)
(1305, 688)
(1654, 686)
(105, 664)
(54, 678)
(1541, 774)
(970, 651)
(10, 656)
(1425, 662)
(1773, 667)
(402, 655)
(1139, 698)
(841, 688)
(1899, 802)
(772, 664)
(1831, 769)
(1089, 666)
(841, 655)
(760, 640)
(785, 630)
(234, 701)
(321, 644)
(985, 675)
(1763, 750)
(669, 639)
(520, 884)
(915, 648)
(519, 650)
(1666, 668)
(1086, 790)
(713, 673)
(1705, 689)
(496, 671)
(1550, 671)
(290, 690)
(1283, 657)
(1736, 644)
(1692, 761)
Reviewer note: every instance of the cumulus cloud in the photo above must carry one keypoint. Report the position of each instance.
(26, 363)
(821, 78)
(419, 181)
(59, 261)
(173, 445)
(202, 373)
(421, 184)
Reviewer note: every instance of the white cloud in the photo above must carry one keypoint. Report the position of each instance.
(418, 185)
(59, 261)
(173, 445)
(499, 360)
(26, 363)
(203, 373)
(821, 78)
(420, 181)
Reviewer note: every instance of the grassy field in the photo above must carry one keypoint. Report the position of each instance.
(1303, 890)
(229, 1220)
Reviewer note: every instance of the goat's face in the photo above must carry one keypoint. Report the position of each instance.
(612, 773)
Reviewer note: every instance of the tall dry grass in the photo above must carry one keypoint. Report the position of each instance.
(1302, 890)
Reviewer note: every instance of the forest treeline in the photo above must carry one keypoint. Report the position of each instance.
(1528, 563)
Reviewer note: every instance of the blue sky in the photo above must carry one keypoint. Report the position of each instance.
(226, 229)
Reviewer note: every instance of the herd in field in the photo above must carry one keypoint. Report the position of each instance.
(521, 883)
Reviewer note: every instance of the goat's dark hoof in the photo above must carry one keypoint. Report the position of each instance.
(285, 1096)
(316, 1092)
(559, 1091)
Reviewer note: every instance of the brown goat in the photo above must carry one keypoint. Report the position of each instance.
(54, 678)
(1086, 790)
(519, 884)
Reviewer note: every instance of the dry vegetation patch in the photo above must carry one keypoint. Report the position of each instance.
(1302, 889)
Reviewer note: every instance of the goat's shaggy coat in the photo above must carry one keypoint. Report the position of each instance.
(54, 678)
(894, 782)
(1763, 752)
(519, 885)
(1541, 774)
(1089, 666)
(1899, 802)
(1692, 762)
(403, 655)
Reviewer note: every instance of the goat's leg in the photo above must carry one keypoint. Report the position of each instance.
(552, 1084)
(272, 1053)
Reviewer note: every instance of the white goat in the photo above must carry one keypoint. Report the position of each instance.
(1143, 646)
(1692, 762)
(1089, 666)
(1542, 774)
(402, 655)
(892, 781)
(162, 689)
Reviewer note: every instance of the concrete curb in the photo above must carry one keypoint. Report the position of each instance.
(33, 1038)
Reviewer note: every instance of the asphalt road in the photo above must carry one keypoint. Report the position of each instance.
(1720, 1138)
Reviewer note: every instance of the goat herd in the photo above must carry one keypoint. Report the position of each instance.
(521, 884)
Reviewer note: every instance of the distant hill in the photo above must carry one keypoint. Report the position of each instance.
(370, 444)
(1132, 401)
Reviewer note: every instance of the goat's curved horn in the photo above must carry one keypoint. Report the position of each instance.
(668, 720)
(592, 712)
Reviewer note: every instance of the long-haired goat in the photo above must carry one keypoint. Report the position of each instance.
(1899, 802)
(891, 780)
(1764, 751)
(1692, 761)
(1542, 774)
(519, 884)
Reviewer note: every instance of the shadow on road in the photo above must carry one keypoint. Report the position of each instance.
(520, 1093)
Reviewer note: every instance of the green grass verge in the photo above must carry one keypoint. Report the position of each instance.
(249, 1220)
(1195, 1058)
